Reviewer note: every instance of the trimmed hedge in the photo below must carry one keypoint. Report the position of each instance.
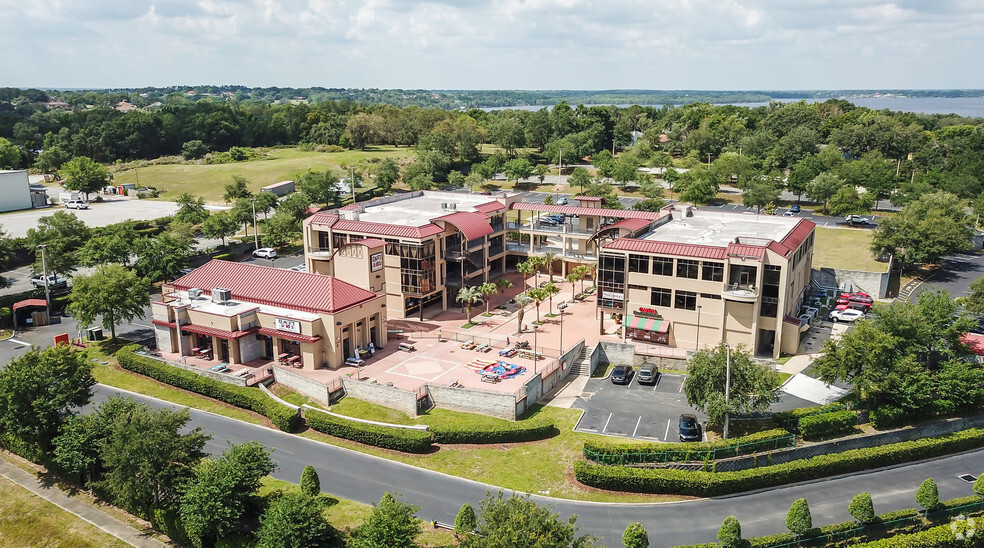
(387, 437)
(709, 484)
(789, 420)
(614, 452)
(828, 425)
(936, 537)
(283, 417)
(504, 432)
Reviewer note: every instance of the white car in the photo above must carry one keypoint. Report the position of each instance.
(265, 253)
(847, 315)
(76, 204)
(857, 220)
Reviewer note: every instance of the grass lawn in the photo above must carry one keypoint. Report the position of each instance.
(290, 395)
(846, 248)
(279, 164)
(28, 520)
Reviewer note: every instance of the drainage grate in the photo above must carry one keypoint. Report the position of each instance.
(967, 477)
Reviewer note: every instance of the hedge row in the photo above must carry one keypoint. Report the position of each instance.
(790, 419)
(936, 537)
(612, 452)
(500, 432)
(708, 484)
(283, 417)
(828, 425)
(387, 437)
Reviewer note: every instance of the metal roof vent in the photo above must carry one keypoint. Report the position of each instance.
(221, 295)
(194, 293)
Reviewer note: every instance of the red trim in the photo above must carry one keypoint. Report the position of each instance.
(368, 242)
(163, 323)
(599, 211)
(289, 336)
(667, 248)
(30, 302)
(472, 225)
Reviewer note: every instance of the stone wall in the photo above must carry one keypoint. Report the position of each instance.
(493, 404)
(872, 283)
(561, 373)
(310, 388)
(675, 364)
(612, 352)
(389, 396)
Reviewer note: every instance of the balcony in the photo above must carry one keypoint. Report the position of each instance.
(319, 252)
(740, 292)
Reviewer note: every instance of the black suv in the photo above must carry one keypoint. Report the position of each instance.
(690, 428)
(622, 374)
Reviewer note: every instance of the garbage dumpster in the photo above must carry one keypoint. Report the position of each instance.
(95, 333)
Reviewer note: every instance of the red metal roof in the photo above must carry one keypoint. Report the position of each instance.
(588, 198)
(747, 251)
(323, 218)
(163, 323)
(490, 207)
(214, 331)
(29, 302)
(667, 248)
(289, 336)
(276, 286)
(368, 242)
(382, 229)
(472, 225)
(631, 224)
(796, 236)
(599, 211)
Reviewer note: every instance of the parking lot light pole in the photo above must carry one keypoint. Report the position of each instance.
(535, 328)
(727, 386)
(44, 272)
(256, 238)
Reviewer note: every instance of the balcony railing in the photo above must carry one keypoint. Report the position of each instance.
(315, 250)
(740, 292)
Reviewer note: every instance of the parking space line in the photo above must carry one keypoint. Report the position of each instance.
(606, 423)
(681, 387)
(666, 437)
(636, 429)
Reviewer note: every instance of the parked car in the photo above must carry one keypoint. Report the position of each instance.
(846, 315)
(648, 374)
(76, 204)
(795, 208)
(856, 298)
(54, 281)
(690, 429)
(562, 201)
(265, 253)
(789, 213)
(622, 374)
(857, 220)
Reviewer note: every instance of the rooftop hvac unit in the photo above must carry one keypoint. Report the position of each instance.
(194, 293)
(444, 205)
(221, 295)
(453, 206)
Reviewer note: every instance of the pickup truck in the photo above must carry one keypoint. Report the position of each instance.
(54, 282)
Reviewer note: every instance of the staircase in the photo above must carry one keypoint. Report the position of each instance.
(582, 363)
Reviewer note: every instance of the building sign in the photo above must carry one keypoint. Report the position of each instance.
(293, 326)
(376, 261)
(648, 312)
(612, 296)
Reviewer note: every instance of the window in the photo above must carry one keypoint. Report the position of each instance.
(686, 300)
(770, 281)
(712, 272)
(639, 263)
(663, 266)
(687, 268)
(638, 287)
(660, 297)
(712, 296)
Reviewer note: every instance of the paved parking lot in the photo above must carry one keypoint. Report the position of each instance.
(634, 410)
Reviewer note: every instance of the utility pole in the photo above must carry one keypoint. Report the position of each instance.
(727, 386)
(44, 272)
(256, 237)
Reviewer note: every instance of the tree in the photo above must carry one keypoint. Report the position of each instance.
(194, 149)
(294, 520)
(321, 187)
(387, 173)
(518, 521)
(579, 177)
(85, 175)
(456, 179)
(487, 290)
(238, 188)
(928, 495)
(518, 168)
(551, 289)
(538, 294)
(626, 169)
(862, 509)
(549, 258)
(847, 201)
(753, 386)
(521, 301)
(363, 129)
(823, 187)
(502, 285)
(111, 244)
(541, 171)
(798, 519)
(161, 258)
(76, 449)
(583, 271)
(759, 192)
(310, 483)
(392, 524)
(10, 155)
(526, 268)
(281, 229)
(635, 536)
(729, 534)
(224, 491)
(696, 190)
(148, 458)
(573, 277)
(979, 485)
(265, 202)
(114, 292)
(925, 230)
(649, 204)
(191, 209)
(63, 234)
(220, 224)
(468, 296)
(465, 521)
(38, 391)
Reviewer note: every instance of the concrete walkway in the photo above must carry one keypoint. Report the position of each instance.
(81, 509)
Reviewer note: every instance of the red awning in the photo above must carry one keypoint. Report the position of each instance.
(289, 336)
(646, 324)
(30, 302)
(213, 331)
(472, 225)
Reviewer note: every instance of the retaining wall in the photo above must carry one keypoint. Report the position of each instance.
(872, 283)
(310, 388)
(221, 377)
(389, 396)
(493, 404)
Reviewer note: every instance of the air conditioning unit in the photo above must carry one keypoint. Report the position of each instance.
(453, 206)
(194, 293)
(221, 295)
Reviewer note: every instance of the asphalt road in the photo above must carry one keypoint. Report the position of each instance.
(957, 273)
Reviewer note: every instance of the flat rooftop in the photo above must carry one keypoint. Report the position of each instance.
(419, 210)
(716, 228)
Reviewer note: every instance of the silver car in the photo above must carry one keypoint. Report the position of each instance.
(648, 374)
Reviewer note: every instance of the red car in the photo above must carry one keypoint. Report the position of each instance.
(856, 298)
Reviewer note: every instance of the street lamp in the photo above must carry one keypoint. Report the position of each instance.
(561, 332)
(44, 272)
(256, 238)
(727, 386)
(352, 181)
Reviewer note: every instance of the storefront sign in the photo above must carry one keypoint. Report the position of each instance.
(612, 296)
(648, 312)
(293, 326)
(376, 262)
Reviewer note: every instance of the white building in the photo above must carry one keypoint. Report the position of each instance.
(15, 190)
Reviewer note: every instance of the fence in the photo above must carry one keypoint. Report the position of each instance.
(697, 455)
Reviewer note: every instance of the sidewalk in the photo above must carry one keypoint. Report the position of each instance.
(81, 509)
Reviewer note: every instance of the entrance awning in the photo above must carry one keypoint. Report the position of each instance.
(289, 336)
(214, 331)
(646, 324)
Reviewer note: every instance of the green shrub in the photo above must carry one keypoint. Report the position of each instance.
(928, 495)
(861, 508)
(979, 485)
(936, 537)
(498, 432)
(223, 256)
(707, 484)
(635, 536)
(387, 437)
(283, 417)
(465, 521)
(6, 318)
(798, 518)
(310, 482)
(828, 425)
(615, 452)
(730, 532)
(790, 419)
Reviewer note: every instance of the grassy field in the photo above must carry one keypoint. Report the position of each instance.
(28, 520)
(278, 164)
(847, 248)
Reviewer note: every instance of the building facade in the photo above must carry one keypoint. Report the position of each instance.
(15, 191)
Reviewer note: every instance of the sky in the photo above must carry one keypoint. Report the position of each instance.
(494, 44)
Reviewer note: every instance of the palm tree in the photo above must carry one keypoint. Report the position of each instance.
(469, 296)
(574, 276)
(526, 268)
(582, 272)
(551, 289)
(502, 285)
(593, 270)
(487, 290)
(522, 300)
(549, 258)
(538, 294)
(538, 261)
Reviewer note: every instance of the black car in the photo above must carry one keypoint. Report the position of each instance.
(690, 428)
(622, 374)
